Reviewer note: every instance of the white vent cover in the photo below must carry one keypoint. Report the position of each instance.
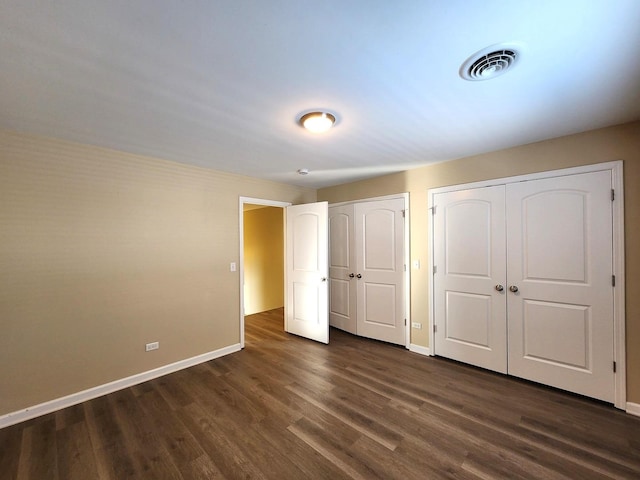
(489, 62)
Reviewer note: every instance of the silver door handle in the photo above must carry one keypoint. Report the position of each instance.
(351, 275)
(499, 288)
(324, 279)
(358, 276)
(513, 288)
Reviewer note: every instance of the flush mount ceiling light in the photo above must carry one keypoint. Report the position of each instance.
(490, 62)
(317, 122)
(303, 171)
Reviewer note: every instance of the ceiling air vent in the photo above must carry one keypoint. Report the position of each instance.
(489, 63)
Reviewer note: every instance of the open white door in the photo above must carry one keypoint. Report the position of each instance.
(306, 271)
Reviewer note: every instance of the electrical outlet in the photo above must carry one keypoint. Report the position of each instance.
(151, 346)
(416, 325)
(232, 267)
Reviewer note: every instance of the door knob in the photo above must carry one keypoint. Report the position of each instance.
(358, 276)
(513, 288)
(499, 288)
(324, 279)
(351, 275)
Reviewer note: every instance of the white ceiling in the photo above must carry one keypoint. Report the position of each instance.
(221, 83)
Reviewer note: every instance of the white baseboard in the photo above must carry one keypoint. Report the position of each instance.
(419, 349)
(633, 409)
(91, 393)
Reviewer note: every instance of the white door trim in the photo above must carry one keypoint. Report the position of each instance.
(407, 254)
(616, 169)
(241, 202)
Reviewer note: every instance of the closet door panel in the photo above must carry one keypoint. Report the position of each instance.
(379, 231)
(469, 256)
(342, 282)
(560, 319)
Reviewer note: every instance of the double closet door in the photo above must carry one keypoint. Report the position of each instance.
(523, 280)
(366, 269)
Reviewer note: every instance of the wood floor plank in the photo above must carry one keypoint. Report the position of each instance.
(318, 440)
(352, 418)
(10, 451)
(69, 416)
(142, 440)
(285, 407)
(218, 444)
(169, 387)
(201, 468)
(311, 463)
(176, 439)
(75, 455)
(113, 460)
(39, 442)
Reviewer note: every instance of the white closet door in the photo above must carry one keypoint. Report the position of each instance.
(560, 260)
(342, 269)
(379, 231)
(469, 256)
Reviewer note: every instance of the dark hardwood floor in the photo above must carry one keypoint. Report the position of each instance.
(289, 408)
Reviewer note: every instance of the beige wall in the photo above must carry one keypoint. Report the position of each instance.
(614, 143)
(263, 259)
(102, 252)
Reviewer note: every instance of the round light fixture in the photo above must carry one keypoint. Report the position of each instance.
(303, 171)
(317, 122)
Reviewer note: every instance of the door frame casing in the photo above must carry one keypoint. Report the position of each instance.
(241, 202)
(617, 209)
(406, 255)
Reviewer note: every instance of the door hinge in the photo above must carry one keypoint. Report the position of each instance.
(613, 280)
(435, 269)
(613, 194)
(405, 322)
(403, 213)
(435, 328)
(433, 210)
(405, 267)
(614, 367)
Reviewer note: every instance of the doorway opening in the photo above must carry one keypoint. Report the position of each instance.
(261, 265)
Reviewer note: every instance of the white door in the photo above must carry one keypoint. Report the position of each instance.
(560, 260)
(342, 269)
(379, 233)
(469, 278)
(306, 265)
